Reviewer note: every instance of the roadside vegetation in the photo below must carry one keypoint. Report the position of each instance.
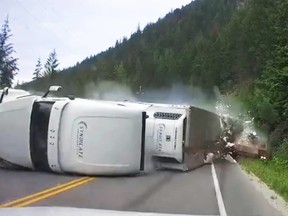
(273, 172)
(270, 172)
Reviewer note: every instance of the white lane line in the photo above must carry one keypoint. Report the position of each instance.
(220, 202)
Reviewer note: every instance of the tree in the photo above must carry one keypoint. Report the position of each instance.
(38, 70)
(8, 64)
(51, 65)
(121, 73)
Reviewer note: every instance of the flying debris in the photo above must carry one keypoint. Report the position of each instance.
(239, 138)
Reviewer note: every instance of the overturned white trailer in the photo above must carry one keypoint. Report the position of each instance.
(68, 135)
(178, 136)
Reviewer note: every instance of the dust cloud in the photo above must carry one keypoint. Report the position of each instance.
(176, 94)
(108, 90)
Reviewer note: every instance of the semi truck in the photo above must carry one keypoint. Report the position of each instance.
(70, 135)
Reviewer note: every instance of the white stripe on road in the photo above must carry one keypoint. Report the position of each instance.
(220, 202)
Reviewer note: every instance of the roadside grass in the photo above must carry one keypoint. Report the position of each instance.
(273, 173)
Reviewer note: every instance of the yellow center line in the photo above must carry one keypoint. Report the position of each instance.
(32, 196)
(53, 193)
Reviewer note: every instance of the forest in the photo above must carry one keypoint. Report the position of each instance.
(238, 46)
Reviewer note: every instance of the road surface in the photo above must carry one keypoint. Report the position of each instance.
(163, 192)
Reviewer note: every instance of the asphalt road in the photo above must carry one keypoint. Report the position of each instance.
(162, 191)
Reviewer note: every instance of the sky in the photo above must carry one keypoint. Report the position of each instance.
(76, 29)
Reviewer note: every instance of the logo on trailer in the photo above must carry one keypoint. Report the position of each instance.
(175, 138)
(160, 135)
(81, 128)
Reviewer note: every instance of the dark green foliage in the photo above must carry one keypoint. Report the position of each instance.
(38, 70)
(282, 151)
(8, 64)
(271, 89)
(51, 65)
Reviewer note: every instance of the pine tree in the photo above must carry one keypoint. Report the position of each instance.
(51, 64)
(121, 73)
(8, 64)
(38, 70)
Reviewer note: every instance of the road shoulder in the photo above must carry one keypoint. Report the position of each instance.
(271, 196)
(239, 194)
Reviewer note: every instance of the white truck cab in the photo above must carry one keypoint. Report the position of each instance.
(71, 135)
(179, 136)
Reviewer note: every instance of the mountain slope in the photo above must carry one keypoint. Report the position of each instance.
(163, 53)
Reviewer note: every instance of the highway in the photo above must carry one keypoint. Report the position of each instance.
(162, 191)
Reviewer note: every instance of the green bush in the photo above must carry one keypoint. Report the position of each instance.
(281, 153)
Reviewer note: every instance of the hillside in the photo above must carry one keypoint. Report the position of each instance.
(238, 46)
(164, 52)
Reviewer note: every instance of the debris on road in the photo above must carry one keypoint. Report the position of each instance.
(239, 138)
